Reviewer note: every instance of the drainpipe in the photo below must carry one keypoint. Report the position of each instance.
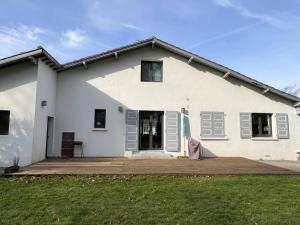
(184, 134)
(182, 130)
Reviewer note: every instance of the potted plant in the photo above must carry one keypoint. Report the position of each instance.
(15, 167)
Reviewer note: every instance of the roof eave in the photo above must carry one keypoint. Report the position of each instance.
(110, 53)
(20, 57)
(55, 64)
(224, 69)
(36, 53)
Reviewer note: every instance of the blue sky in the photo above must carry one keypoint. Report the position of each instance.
(260, 38)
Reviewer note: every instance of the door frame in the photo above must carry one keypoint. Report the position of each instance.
(49, 119)
(162, 130)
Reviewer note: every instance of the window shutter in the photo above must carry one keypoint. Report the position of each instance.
(172, 131)
(212, 124)
(218, 124)
(206, 124)
(246, 125)
(132, 130)
(282, 121)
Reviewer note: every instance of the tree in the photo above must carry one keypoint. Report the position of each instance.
(292, 89)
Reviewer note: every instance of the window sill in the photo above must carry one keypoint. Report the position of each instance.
(264, 139)
(99, 129)
(151, 81)
(214, 138)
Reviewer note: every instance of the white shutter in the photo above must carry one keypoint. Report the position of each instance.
(246, 125)
(282, 121)
(218, 124)
(206, 124)
(132, 130)
(212, 124)
(172, 131)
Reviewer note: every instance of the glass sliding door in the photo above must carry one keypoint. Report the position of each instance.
(151, 130)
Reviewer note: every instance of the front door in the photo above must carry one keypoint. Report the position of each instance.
(49, 138)
(151, 130)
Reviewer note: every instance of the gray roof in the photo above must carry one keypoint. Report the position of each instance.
(40, 52)
(31, 55)
(189, 55)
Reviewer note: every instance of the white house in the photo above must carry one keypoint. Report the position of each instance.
(145, 97)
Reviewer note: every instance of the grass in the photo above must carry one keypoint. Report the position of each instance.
(239, 200)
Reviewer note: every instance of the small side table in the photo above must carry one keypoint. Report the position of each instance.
(80, 144)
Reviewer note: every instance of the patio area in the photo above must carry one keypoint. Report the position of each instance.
(124, 166)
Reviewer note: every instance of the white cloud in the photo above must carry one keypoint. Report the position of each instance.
(272, 20)
(34, 33)
(109, 24)
(109, 19)
(130, 26)
(224, 3)
(73, 38)
(224, 35)
(17, 38)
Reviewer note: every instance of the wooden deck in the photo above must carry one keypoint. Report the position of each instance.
(124, 166)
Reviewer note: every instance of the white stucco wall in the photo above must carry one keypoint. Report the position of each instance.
(18, 94)
(46, 91)
(111, 83)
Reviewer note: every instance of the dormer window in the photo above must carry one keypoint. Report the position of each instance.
(151, 71)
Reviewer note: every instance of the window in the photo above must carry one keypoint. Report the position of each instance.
(4, 122)
(261, 124)
(100, 118)
(151, 71)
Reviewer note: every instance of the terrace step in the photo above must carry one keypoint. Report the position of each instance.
(151, 155)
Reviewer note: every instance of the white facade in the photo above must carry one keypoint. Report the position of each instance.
(46, 91)
(22, 88)
(112, 83)
(72, 95)
(18, 94)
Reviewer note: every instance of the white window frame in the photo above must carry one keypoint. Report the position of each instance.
(152, 61)
(273, 127)
(9, 121)
(93, 119)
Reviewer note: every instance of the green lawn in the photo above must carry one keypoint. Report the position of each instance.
(150, 200)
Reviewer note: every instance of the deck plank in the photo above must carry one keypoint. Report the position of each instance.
(124, 166)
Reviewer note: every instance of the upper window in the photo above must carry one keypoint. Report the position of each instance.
(151, 71)
(100, 118)
(4, 122)
(261, 124)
